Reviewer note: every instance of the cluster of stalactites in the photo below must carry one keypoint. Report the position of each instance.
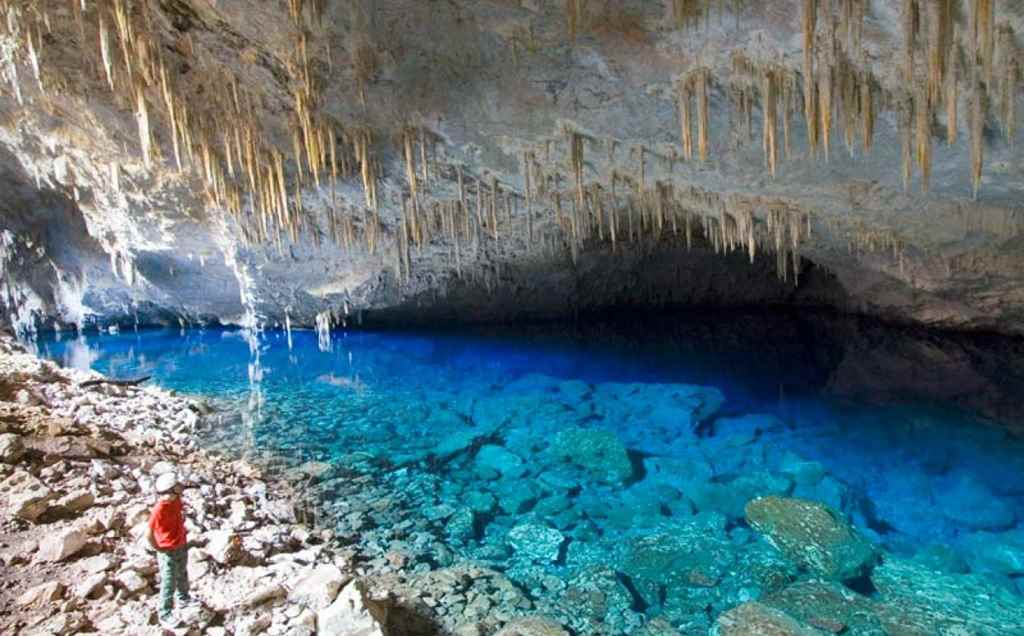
(693, 87)
(685, 14)
(218, 135)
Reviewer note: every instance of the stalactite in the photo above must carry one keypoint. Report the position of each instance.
(108, 63)
(142, 115)
(867, 111)
(983, 38)
(825, 106)
(788, 89)
(686, 13)
(769, 106)
(810, 16)
(576, 154)
(923, 137)
(574, 17)
(684, 96)
(703, 114)
(1008, 59)
(909, 17)
(905, 119)
(951, 96)
(977, 135)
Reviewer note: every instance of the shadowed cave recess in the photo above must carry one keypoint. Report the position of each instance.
(565, 317)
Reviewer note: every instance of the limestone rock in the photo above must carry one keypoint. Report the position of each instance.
(349, 615)
(501, 460)
(829, 606)
(536, 542)
(76, 502)
(27, 497)
(49, 592)
(599, 452)
(269, 592)
(61, 545)
(90, 586)
(997, 552)
(533, 626)
(917, 600)
(224, 547)
(316, 588)
(11, 448)
(812, 536)
(970, 503)
(756, 619)
(131, 581)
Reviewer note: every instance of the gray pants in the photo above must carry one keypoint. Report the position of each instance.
(173, 579)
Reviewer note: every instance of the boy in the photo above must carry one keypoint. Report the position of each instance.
(167, 536)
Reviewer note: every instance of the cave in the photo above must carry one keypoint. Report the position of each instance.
(511, 317)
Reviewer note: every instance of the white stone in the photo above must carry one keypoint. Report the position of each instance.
(45, 593)
(60, 546)
(348, 615)
(27, 498)
(316, 588)
(224, 547)
(11, 448)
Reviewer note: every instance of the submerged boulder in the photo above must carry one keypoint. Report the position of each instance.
(970, 503)
(919, 601)
(757, 619)
(996, 552)
(533, 626)
(829, 606)
(599, 452)
(812, 536)
(536, 542)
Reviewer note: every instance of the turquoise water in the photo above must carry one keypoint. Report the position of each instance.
(546, 456)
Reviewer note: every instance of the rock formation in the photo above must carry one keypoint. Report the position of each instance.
(251, 162)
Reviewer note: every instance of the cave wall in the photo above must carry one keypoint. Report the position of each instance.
(103, 231)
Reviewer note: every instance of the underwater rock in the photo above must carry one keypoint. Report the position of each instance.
(738, 431)
(812, 536)
(456, 442)
(829, 606)
(461, 527)
(501, 461)
(972, 504)
(996, 552)
(596, 601)
(516, 496)
(480, 502)
(803, 472)
(756, 618)
(533, 626)
(685, 554)
(918, 601)
(536, 542)
(599, 452)
(655, 418)
(730, 497)
(829, 491)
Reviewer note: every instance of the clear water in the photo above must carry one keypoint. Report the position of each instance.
(925, 481)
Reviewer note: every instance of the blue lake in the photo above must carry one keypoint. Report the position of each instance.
(545, 456)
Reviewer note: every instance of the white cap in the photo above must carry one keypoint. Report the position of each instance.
(166, 482)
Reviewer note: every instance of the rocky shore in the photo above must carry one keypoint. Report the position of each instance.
(77, 466)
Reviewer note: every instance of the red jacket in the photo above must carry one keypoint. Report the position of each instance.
(168, 524)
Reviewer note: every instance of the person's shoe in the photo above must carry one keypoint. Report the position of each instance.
(170, 621)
